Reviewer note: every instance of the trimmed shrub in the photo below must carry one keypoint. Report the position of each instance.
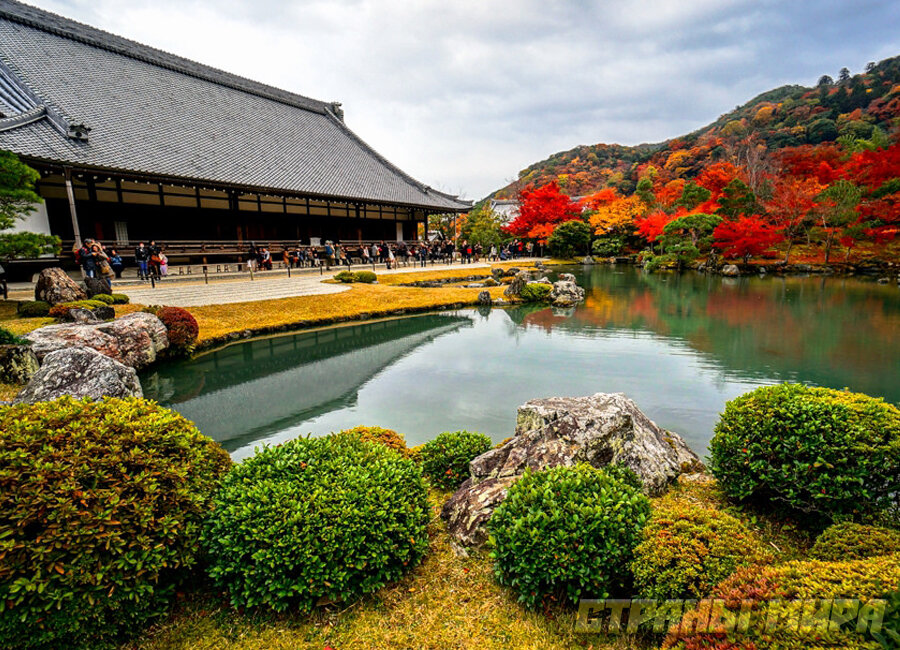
(104, 298)
(809, 450)
(100, 512)
(33, 309)
(61, 310)
(566, 533)
(445, 460)
(387, 437)
(8, 338)
(181, 328)
(536, 292)
(687, 550)
(570, 238)
(366, 277)
(850, 541)
(316, 518)
(344, 276)
(779, 598)
(609, 246)
(120, 299)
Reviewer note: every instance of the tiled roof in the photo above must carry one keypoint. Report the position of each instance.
(150, 112)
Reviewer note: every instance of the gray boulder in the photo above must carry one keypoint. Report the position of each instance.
(491, 282)
(566, 277)
(17, 364)
(587, 260)
(515, 287)
(94, 315)
(566, 293)
(55, 286)
(96, 286)
(603, 429)
(484, 297)
(730, 271)
(134, 340)
(80, 372)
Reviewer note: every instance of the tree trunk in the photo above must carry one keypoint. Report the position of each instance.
(787, 255)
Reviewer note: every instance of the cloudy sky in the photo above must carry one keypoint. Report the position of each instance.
(463, 94)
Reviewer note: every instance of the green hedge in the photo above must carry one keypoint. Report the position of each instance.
(316, 518)
(8, 338)
(386, 437)
(33, 309)
(567, 533)
(120, 299)
(104, 298)
(536, 292)
(850, 541)
(809, 450)
(687, 550)
(344, 276)
(366, 277)
(100, 511)
(445, 460)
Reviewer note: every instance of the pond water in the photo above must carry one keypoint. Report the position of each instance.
(679, 345)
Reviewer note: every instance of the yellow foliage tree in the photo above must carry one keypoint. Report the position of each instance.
(617, 216)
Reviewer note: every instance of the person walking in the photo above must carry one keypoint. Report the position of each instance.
(101, 262)
(390, 257)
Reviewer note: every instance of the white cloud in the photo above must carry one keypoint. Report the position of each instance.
(464, 94)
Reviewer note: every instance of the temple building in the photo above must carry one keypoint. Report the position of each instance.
(134, 143)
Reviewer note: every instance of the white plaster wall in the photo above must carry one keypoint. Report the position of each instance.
(36, 221)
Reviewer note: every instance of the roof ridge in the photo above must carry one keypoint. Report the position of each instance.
(52, 23)
(427, 189)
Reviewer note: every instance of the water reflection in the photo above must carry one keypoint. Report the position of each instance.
(680, 345)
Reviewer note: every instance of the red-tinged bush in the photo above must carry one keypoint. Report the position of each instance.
(745, 237)
(181, 327)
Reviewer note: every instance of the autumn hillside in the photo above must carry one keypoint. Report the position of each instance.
(853, 105)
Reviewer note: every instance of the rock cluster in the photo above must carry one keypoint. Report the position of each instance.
(134, 340)
(55, 286)
(80, 372)
(566, 293)
(603, 429)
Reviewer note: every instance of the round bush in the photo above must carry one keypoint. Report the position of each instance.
(536, 292)
(367, 277)
(566, 533)
(104, 298)
(687, 550)
(609, 246)
(100, 511)
(61, 310)
(850, 541)
(809, 450)
(344, 276)
(445, 460)
(387, 437)
(181, 328)
(120, 299)
(316, 518)
(33, 309)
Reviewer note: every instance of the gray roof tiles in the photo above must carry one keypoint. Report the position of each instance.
(155, 113)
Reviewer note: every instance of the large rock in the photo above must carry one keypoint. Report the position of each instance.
(97, 286)
(484, 297)
(565, 292)
(134, 340)
(80, 372)
(515, 287)
(55, 286)
(603, 429)
(18, 363)
(730, 271)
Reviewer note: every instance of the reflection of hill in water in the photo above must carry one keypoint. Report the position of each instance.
(831, 331)
(249, 389)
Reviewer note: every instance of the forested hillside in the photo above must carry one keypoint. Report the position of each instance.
(863, 106)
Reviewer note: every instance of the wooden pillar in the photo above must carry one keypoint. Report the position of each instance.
(71, 194)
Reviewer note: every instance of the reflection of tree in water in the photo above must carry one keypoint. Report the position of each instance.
(835, 332)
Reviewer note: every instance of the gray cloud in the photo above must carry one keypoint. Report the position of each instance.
(464, 94)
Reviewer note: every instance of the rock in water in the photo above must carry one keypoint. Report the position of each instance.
(55, 286)
(731, 271)
(96, 286)
(515, 287)
(603, 429)
(17, 364)
(484, 297)
(565, 292)
(80, 372)
(134, 340)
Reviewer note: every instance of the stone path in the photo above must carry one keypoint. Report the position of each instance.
(192, 293)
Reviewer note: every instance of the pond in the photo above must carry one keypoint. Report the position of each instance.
(679, 345)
